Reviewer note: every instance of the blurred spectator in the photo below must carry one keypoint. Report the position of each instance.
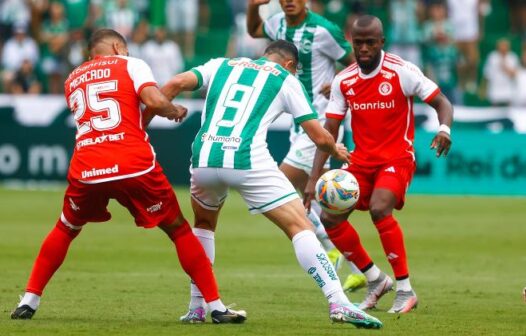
(520, 93)
(54, 40)
(440, 53)
(241, 44)
(11, 12)
(404, 36)
(26, 80)
(500, 71)
(163, 56)
(181, 17)
(139, 36)
(18, 48)
(77, 49)
(96, 17)
(122, 18)
(465, 16)
(76, 12)
(518, 17)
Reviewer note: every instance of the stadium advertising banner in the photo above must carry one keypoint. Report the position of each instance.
(37, 137)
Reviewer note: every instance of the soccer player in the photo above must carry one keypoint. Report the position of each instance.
(321, 44)
(378, 91)
(113, 159)
(244, 96)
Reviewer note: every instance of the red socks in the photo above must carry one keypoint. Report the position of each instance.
(346, 239)
(393, 242)
(51, 255)
(194, 261)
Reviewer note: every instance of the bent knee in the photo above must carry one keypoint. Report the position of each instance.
(379, 211)
(330, 220)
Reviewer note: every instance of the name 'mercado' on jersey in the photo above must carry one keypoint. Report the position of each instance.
(320, 44)
(243, 98)
(381, 107)
(103, 95)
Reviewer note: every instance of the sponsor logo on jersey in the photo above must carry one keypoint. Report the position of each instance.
(387, 74)
(390, 169)
(305, 46)
(155, 207)
(99, 172)
(100, 139)
(229, 142)
(350, 92)
(350, 81)
(377, 105)
(385, 88)
(252, 65)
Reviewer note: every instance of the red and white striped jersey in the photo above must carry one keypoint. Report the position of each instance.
(381, 107)
(103, 95)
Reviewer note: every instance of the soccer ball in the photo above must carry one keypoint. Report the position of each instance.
(337, 191)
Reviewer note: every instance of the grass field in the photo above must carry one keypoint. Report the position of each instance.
(467, 259)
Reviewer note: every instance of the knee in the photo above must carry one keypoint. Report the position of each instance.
(379, 211)
(329, 220)
(204, 223)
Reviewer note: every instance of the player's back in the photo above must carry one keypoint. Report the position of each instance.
(103, 95)
(244, 97)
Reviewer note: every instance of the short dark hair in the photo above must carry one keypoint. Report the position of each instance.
(284, 49)
(103, 34)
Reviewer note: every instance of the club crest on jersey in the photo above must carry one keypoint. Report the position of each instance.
(385, 88)
(305, 46)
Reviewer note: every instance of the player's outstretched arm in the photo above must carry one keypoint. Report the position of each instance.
(442, 140)
(157, 104)
(186, 81)
(330, 129)
(254, 21)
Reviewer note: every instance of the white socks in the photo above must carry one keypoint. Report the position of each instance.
(313, 259)
(30, 299)
(321, 234)
(403, 285)
(206, 237)
(372, 273)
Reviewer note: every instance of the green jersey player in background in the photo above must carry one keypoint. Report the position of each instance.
(243, 98)
(320, 44)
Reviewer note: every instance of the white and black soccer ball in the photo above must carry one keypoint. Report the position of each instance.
(337, 191)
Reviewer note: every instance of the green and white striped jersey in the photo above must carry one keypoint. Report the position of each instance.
(320, 44)
(244, 97)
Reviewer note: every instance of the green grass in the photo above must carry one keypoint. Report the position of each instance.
(467, 260)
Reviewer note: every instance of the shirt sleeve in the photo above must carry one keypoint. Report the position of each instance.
(140, 73)
(296, 101)
(415, 83)
(333, 43)
(271, 26)
(206, 71)
(337, 107)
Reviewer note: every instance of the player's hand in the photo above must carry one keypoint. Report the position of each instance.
(178, 114)
(442, 143)
(258, 2)
(308, 193)
(341, 153)
(326, 90)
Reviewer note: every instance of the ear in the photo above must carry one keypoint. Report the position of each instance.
(289, 65)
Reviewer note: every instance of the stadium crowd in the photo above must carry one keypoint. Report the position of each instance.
(474, 49)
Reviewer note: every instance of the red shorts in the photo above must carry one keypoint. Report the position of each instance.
(394, 176)
(149, 198)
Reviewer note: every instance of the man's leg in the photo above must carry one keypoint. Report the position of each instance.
(196, 264)
(382, 204)
(205, 222)
(290, 217)
(49, 259)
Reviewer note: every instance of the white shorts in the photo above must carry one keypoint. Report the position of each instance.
(302, 151)
(262, 190)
